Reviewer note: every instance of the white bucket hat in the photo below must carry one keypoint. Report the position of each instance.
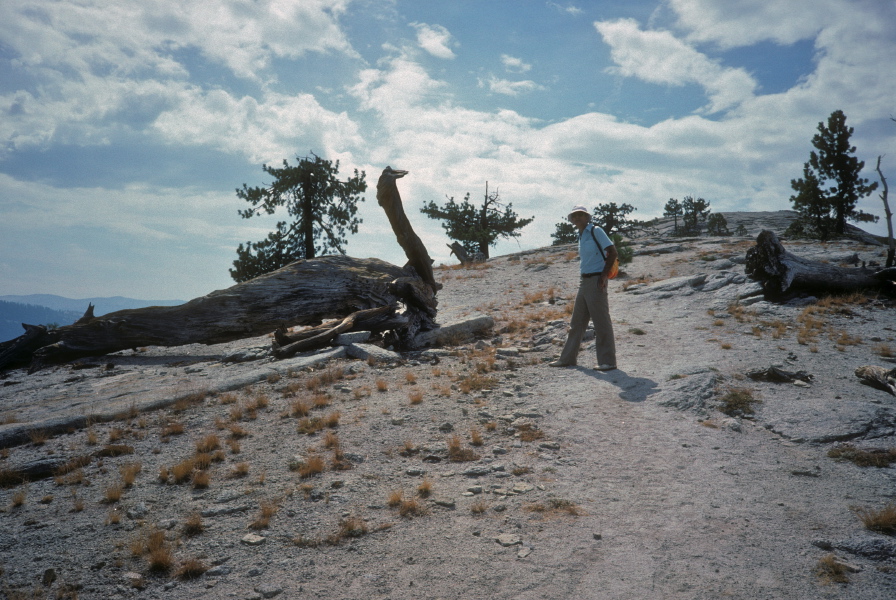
(578, 209)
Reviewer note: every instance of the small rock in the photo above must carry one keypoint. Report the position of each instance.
(549, 445)
(475, 489)
(415, 472)
(508, 539)
(134, 580)
(253, 539)
(477, 471)
(397, 420)
(524, 552)
(498, 450)
(446, 427)
(444, 502)
(137, 511)
(218, 571)
(269, 590)
(597, 536)
(49, 577)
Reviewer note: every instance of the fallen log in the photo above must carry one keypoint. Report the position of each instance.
(363, 293)
(302, 293)
(781, 272)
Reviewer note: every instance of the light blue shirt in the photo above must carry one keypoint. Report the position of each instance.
(590, 259)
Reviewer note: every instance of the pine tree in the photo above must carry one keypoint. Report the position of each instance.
(323, 210)
(831, 185)
(477, 227)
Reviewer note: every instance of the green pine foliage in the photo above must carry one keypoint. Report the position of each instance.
(323, 209)
(831, 185)
(477, 228)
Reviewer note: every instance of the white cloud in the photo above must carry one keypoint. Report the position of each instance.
(435, 39)
(514, 64)
(570, 8)
(743, 23)
(509, 88)
(659, 57)
(262, 131)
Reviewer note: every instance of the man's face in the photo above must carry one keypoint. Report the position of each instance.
(579, 220)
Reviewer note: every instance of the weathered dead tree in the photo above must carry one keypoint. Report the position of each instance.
(781, 272)
(368, 293)
(461, 254)
(891, 243)
(388, 197)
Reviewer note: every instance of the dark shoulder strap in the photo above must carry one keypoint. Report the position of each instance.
(599, 249)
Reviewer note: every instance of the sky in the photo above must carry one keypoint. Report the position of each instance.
(127, 127)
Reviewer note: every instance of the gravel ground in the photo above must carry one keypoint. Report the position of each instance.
(476, 471)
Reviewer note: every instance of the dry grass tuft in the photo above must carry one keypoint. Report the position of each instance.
(239, 470)
(172, 428)
(112, 450)
(129, 473)
(395, 498)
(476, 437)
(410, 507)
(864, 458)
(201, 480)
(415, 397)
(191, 568)
(476, 382)
(183, 470)
(882, 521)
(478, 507)
(113, 493)
(556, 506)
(269, 508)
(300, 408)
(424, 490)
(208, 444)
(193, 525)
(529, 433)
(830, 570)
(457, 453)
(382, 385)
(312, 465)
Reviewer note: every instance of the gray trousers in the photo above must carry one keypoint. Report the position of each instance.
(591, 304)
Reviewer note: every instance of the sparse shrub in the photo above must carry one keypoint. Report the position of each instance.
(331, 440)
(116, 434)
(381, 385)
(416, 397)
(477, 382)
(491, 426)
(234, 446)
(237, 431)
(478, 507)
(92, 438)
(202, 461)
(738, 402)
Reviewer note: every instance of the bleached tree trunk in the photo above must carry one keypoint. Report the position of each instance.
(781, 272)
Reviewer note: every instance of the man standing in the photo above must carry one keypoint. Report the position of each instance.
(597, 254)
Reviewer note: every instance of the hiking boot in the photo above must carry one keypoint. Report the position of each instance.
(604, 367)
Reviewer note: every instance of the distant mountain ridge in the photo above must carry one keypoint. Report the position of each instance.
(45, 309)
